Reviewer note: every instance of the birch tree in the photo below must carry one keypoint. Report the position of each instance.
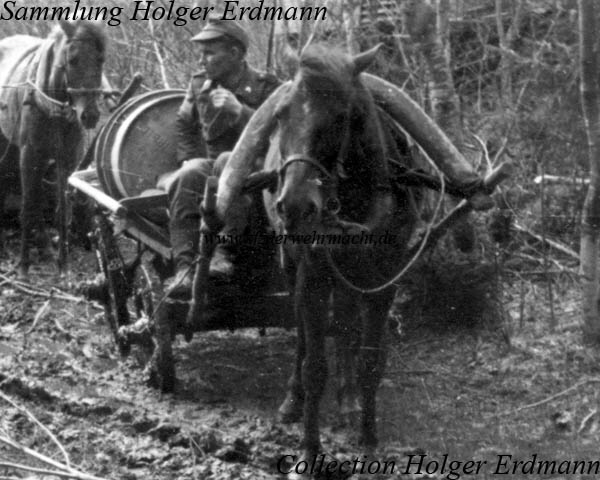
(429, 26)
(590, 228)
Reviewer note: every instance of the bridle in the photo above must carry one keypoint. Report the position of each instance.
(56, 108)
(96, 92)
(328, 181)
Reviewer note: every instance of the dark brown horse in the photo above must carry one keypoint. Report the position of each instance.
(49, 90)
(331, 148)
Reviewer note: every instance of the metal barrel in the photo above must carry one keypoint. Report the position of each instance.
(138, 143)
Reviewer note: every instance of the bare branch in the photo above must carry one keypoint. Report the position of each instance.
(40, 314)
(39, 424)
(159, 58)
(552, 397)
(554, 244)
(66, 471)
(38, 292)
(41, 471)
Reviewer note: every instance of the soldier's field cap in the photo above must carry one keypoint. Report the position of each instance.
(219, 28)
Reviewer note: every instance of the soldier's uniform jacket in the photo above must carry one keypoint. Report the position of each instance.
(199, 122)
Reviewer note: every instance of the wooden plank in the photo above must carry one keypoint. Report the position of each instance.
(157, 199)
(144, 231)
(79, 182)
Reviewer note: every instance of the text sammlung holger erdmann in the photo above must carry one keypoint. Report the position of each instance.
(180, 13)
(444, 467)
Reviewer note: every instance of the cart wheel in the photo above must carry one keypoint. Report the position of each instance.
(161, 369)
(140, 307)
(125, 290)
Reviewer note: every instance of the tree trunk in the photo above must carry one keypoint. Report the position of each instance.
(350, 15)
(445, 105)
(506, 41)
(433, 33)
(590, 225)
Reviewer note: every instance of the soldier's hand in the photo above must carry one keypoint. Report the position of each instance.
(223, 98)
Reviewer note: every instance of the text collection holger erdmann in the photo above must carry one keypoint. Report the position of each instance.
(145, 10)
(446, 467)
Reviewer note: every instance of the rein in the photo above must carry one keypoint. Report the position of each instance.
(423, 244)
(50, 106)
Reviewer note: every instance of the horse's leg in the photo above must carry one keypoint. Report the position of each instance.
(372, 361)
(31, 186)
(9, 168)
(293, 405)
(316, 292)
(346, 329)
(61, 214)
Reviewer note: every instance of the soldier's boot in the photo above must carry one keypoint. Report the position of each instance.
(222, 261)
(184, 244)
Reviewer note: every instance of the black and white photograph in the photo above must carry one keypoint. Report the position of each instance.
(305, 240)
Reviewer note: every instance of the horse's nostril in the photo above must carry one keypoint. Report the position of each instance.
(279, 208)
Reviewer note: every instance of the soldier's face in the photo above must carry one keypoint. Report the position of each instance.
(218, 59)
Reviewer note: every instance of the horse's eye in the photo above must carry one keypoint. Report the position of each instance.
(73, 61)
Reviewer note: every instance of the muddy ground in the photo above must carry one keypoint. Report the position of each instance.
(469, 392)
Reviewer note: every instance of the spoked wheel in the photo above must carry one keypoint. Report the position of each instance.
(140, 306)
(124, 289)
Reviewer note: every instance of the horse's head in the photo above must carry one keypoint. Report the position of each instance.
(77, 72)
(317, 119)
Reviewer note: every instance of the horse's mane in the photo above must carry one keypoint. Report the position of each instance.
(86, 31)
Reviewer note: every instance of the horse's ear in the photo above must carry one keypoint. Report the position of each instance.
(67, 27)
(363, 60)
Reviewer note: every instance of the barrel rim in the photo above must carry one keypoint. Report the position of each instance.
(106, 137)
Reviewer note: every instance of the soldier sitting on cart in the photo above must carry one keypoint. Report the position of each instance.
(219, 102)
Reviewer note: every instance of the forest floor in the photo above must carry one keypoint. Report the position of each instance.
(497, 394)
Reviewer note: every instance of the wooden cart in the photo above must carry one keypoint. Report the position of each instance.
(133, 148)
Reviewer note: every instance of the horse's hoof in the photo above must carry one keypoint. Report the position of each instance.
(291, 409)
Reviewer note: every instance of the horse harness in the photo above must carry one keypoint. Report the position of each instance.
(331, 180)
(50, 106)
(333, 206)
